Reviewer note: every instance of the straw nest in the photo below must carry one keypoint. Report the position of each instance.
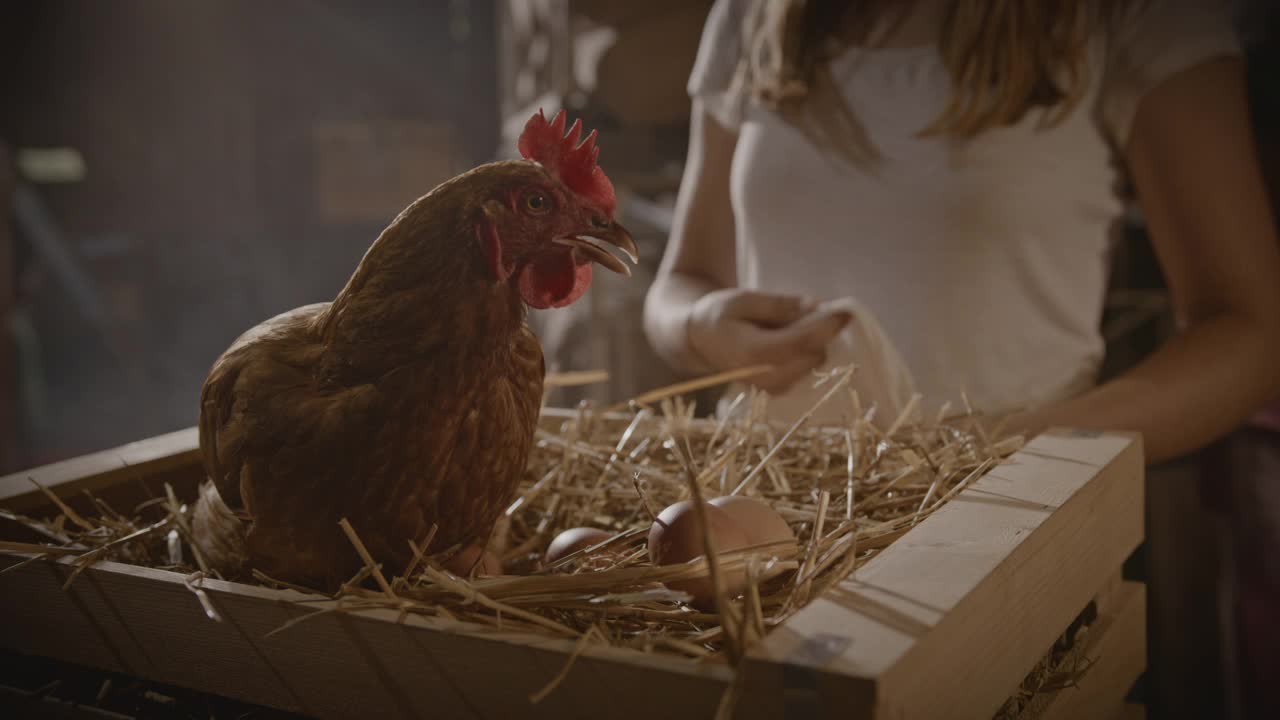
(846, 491)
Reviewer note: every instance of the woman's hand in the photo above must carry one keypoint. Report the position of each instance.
(694, 315)
(733, 328)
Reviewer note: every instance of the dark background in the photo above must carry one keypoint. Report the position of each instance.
(240, 157)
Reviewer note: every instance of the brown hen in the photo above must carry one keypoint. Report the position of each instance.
(412, 398)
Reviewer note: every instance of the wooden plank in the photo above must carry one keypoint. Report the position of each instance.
(948, 620)
(98, 470)
(952, 616)
(146, 623)
(169, 458)
(35, 612)
(1117, 645)
(177, 451)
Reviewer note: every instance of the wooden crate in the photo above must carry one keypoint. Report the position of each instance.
(946, 622)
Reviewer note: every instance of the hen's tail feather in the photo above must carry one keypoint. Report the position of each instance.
(219, 533)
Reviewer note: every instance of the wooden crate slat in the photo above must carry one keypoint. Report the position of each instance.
(1117, 645)
(335, 665)
(435, 674)
(144, 622)
(948, 619)
(951, 617)
(36, 613)
(149, 457)
(178, 450)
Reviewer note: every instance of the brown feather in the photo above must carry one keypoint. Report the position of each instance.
(410, 400)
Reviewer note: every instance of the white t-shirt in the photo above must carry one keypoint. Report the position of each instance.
(985, 262)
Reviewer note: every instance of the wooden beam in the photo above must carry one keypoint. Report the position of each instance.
(149, 457)
(947, 621)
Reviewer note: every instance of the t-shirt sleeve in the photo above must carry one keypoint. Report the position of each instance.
(1153, 41)
(716, 64)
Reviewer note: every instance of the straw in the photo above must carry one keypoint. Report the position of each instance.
(847, 492)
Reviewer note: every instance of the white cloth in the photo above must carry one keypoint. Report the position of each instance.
(882, 379)
(985, 261)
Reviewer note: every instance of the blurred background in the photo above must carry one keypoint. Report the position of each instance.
(172, 173)
(175, 172)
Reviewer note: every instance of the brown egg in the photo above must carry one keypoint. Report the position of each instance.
(761, 523)
(676, 537)
(572, 540)
(460, 564)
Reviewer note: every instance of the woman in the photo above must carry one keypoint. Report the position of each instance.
(953, 166)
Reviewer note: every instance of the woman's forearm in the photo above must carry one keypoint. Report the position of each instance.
(666, 318)
(1200, 385)
(1191, 156)
(700, 254)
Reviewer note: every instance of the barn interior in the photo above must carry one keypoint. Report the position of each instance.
(172, 174)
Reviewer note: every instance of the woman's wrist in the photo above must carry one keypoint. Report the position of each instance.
(667, 323)
(692, 360)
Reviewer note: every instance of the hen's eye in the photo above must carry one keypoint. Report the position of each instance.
(535, 202)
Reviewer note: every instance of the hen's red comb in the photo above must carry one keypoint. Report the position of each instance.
(573, 162)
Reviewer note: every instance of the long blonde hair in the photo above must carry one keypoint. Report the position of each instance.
(1006, 58)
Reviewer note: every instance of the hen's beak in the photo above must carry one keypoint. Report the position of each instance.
(593, 246)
